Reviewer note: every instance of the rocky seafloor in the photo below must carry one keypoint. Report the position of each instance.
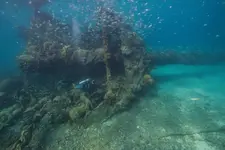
(43, 109)
(185, 114)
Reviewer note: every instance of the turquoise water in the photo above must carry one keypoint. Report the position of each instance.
(164, 24)
(186, 110)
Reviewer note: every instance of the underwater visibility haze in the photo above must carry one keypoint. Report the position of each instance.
(112, 75)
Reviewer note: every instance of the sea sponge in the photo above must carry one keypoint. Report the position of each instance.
(126, 50)
(64, 51)
(80, 111)
(147, 79)
(110, 97)
(77, 112)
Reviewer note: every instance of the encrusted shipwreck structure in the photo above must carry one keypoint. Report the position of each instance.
(110, 53)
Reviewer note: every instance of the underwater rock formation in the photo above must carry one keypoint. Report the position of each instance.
(52, 64)
(186, 57)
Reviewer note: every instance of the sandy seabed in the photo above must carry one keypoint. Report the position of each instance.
(188, 113)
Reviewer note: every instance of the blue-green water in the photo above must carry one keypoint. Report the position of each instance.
(193, 24)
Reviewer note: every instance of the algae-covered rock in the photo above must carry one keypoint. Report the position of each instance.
(110, 97)
(77, 112)
(126, 51)
(7, 115)
(26, 58)
(53, 66)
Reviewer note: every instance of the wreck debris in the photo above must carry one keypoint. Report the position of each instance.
(116, 59)
(53, 64)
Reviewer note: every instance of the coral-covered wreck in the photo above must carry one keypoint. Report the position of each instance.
(110, 57)
(110, 54)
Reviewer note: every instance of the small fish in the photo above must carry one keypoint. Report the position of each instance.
(84, 84)
(195, 98)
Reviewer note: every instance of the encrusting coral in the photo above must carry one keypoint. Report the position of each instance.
(147, 79)
(79, 111)
(52, 64)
